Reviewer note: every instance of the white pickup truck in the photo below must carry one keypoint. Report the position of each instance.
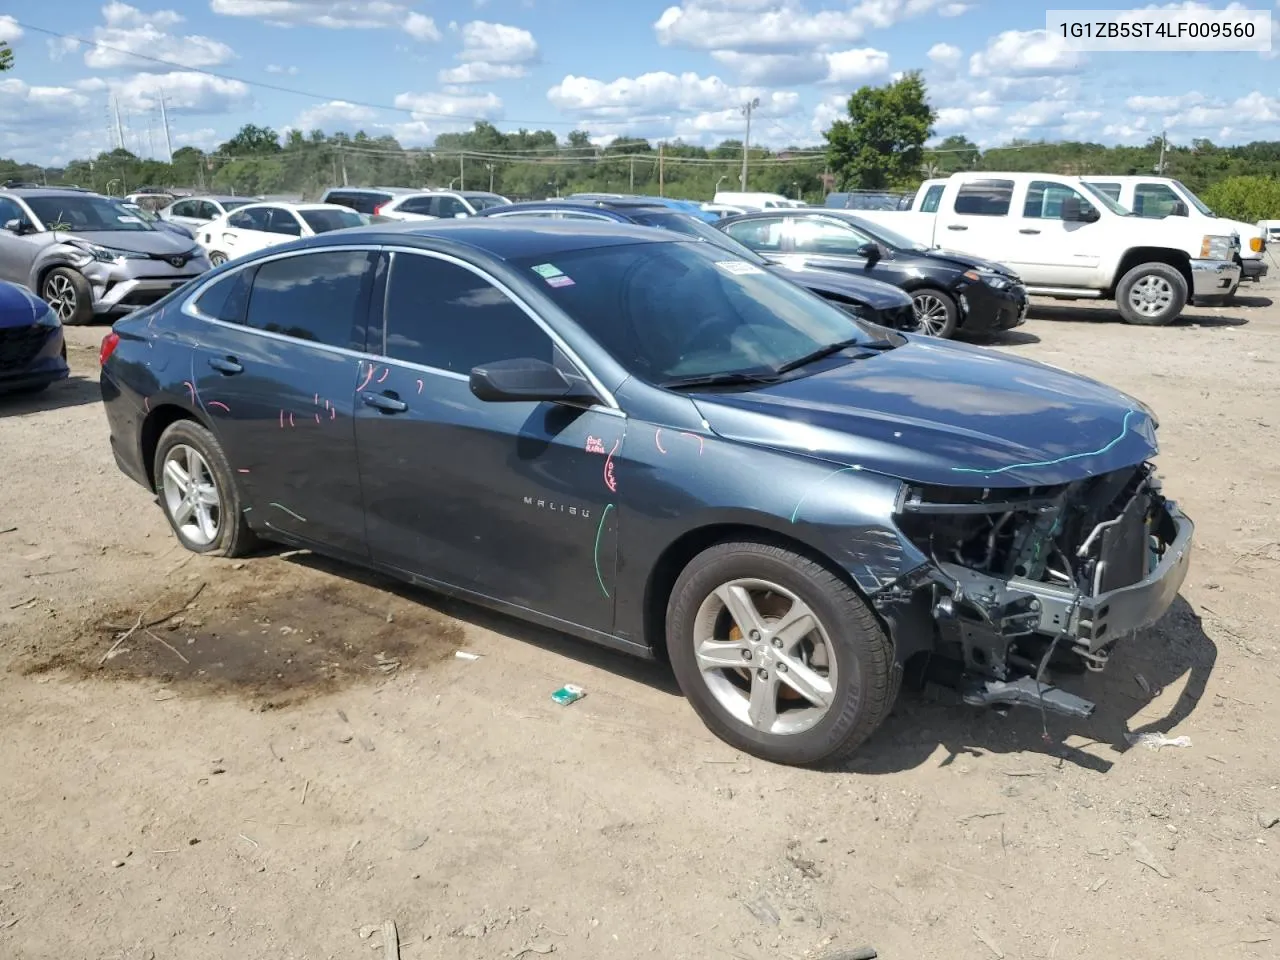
(1158, 197)
(1069, 240)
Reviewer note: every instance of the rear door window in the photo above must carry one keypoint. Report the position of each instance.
(254, 218)
(984, 198)
(418, 205)
(811, 235)
(762, 234)
(1044, 200)
(317, 297)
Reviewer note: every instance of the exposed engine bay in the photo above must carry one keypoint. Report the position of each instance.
(1021, 577)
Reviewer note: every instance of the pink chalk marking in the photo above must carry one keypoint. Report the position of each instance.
(385, 373)
(595, 445)
(419, 386)
(281, 419)
(695, 437)
(657, 439)
(609, 480)
(242, 470)
(333, 413)
(192, 387)
(317, 418)
(316, 398)
(366, 379)
(219, 404)
(291, 418)
(146, 404)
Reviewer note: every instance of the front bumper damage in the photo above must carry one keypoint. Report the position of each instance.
(1064, 572)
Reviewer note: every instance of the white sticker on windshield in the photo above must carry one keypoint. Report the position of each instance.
(739, 268)
(128, 219)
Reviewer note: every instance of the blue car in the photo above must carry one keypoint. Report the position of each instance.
(32, 352)
(637, 438)
(863, 297)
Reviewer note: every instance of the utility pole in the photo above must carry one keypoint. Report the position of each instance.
(164, 119)
(746, 142)
(490, 166)
(633, 174)
(342, 157)
(1164, 142)
(462, 171)
(115, 105)
(662, 175)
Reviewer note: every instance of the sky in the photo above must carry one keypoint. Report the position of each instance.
(417, 68)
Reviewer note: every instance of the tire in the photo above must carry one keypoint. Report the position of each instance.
(1151, 295)
(217, 258)
(69, 293)
(705, 644)
(30, 389)
(937, 312)
(227, 534)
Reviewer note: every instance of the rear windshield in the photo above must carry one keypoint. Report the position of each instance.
(691, 226)
(322, 221)
(484, 202)
(87, 213)
(359, 202)
(232, 204)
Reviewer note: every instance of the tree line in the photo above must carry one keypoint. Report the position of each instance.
(879, 145)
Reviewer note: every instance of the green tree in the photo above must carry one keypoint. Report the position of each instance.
(880, 145)
(1245, 198)
(6, 58)
(252, 140)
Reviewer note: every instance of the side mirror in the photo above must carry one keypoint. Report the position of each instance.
(1179, 209)
(1073, 211)
(869, 251)
(461, 216)
(18, 226)
(524, 379)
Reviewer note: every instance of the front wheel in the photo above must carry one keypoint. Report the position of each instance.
(778, 656)
(1151, 294)
(217, 258)
(197, 493)
(936, 311)
(69, 294)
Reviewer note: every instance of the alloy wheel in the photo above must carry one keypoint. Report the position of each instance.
(765, 656)
(217, 259)
(191, 496)
(932, 314)
(60, 294)
(1151, 295)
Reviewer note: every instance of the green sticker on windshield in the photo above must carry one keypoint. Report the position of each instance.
(547, 270)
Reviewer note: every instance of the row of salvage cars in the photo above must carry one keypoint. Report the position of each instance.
(656, 441)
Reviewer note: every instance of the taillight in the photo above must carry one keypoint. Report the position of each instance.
(109, 344)
(378, 209)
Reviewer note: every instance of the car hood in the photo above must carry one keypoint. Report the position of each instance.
(164, 242)
(941, 413)
(18, 307)
(874, 293)
(963, 261)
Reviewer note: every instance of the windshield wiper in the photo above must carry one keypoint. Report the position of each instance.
(719, 380)
(833, 348)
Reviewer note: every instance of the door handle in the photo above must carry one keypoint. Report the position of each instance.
(1028, 231)
(228, 365)
(384, 402)
(956, 226)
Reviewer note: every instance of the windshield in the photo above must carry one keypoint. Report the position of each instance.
(691, 226)
(86, 213)
(148, 215)
(1195, 201)
(1113, 205)
(485, 203)
(890, 238)
(673, 310)
(322, 221)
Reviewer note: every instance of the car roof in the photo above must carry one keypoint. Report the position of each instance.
(505, 240)
(375, 190)
(219, 197)
(51, 192)
(620, 208)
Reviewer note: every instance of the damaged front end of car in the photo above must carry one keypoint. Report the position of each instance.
(1018, 578)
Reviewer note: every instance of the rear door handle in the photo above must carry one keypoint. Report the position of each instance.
(228, 365)
(1028, 231)
(384, 402)
(956, 226)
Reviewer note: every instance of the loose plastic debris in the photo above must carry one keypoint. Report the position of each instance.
(568, 694)
(464, 655)
(1154, 741)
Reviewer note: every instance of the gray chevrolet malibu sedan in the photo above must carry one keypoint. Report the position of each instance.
(89, 255)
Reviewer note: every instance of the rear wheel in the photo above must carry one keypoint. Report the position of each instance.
(936, 311)
(69, 294)
(217, 258)
(197, 493)
(1151, 294)
(780, 658)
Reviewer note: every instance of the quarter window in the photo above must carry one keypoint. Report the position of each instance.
(1044, 200)
(442, 315)
(226, 299)
(319, 297)
(985, 198)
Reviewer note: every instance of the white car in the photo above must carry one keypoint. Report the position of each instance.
(438, 204)
(195, 212)
(258, 225)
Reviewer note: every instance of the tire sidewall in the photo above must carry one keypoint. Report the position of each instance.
(699, 579)
(948, 301)
(84, 294)
(1165, 272)
(230, 517)
(217, 258)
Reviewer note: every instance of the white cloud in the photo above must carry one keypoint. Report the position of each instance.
(335, 115)
(1166, 104)
(945, 56)
(10, 32)
(497, 43)
(413, 133)
(774, 69)
(277, 68)
(783, 24)
(206, 138)
(184, 92)
(466, 106)
(481, 73)
(47, 125)
(1029, 52)
(129, 30)
(332, 14)
(648, 93)
(852, 67)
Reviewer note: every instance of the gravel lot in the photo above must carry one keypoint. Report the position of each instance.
(286, 750)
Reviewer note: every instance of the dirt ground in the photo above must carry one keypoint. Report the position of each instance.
(283, 753)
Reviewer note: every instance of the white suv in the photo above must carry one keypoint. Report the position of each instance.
(439, 204)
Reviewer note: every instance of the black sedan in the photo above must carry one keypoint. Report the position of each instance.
(952, 291)
(863, 297)
(32, 351)
(644, 441)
